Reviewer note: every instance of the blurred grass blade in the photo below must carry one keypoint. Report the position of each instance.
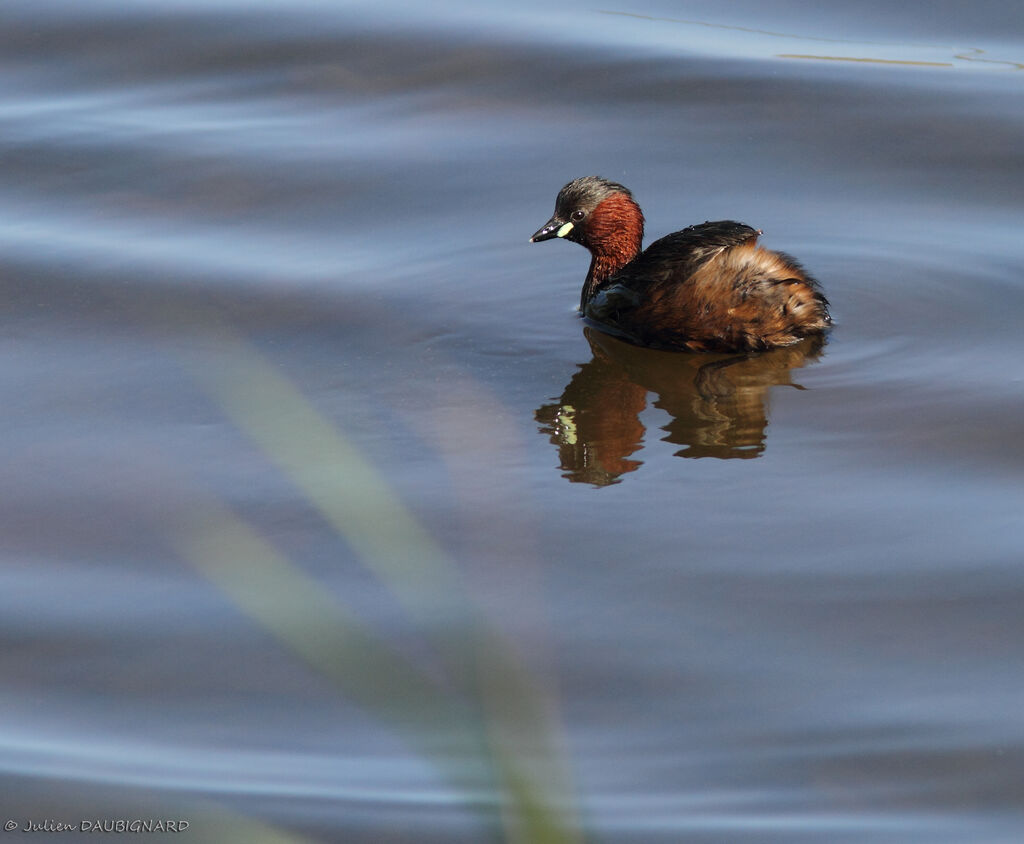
(286, 602)
(503, 748)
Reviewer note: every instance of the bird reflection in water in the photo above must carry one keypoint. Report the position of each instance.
(717, 404)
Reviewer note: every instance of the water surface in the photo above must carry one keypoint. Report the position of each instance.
(325, 518)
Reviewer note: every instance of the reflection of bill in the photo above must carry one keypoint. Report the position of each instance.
(717, 404)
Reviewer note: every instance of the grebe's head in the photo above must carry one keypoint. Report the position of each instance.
(597, 213)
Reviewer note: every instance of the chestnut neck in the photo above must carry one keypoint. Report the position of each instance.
(615, 232)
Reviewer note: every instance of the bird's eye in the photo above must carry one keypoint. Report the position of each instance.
(577, 215)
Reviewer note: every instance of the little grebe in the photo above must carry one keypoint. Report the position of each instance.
(708, 287)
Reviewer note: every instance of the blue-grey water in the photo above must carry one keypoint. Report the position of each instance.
(324, 518)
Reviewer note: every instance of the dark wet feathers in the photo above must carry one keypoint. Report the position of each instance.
(681, 252)
(709, 287)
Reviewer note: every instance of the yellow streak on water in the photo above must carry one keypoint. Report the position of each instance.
(969, 54)
(856, 59)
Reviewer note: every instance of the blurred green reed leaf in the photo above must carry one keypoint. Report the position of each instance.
(487, 728)
(295, 609)
(333, 475)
